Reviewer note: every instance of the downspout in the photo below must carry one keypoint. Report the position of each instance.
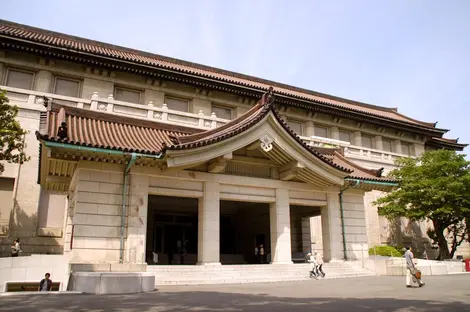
(342, 216)
(123, 210)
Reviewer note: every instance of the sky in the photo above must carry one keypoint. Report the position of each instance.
(414, 55)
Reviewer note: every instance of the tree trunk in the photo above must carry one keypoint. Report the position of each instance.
(441, 241)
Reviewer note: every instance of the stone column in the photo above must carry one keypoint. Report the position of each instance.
(309, 128)
(306, 235)
(357, 138)
(209, 225)
(44, 81)
(378, 143)
(279, 214)
(137, 219)
(334, 133)
(2, 68)
(331, 229)
(397, 146)
(154, 96)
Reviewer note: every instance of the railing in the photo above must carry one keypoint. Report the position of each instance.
(29, 99)
(353, 151)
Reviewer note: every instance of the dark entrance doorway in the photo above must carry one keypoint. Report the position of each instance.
(244, 226)
(172, 230)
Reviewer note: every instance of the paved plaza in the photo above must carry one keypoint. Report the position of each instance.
(442, 293)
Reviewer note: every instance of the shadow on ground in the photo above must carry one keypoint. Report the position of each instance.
(217, 301)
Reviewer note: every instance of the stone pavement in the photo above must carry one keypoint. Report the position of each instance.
(378, 293)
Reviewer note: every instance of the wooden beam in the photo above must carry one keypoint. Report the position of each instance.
(218, 165)
(57, 179)
(253, 161)
(290, 170)
(253, 146)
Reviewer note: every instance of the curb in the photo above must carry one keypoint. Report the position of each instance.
(39, 293)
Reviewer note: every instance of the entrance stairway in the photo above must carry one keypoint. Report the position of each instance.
(238, 274)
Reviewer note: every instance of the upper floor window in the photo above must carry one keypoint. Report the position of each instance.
(406, 149)
(366, 141)
(67, 87)
(345, 136)
(127, 95)
(387, 145)
(222, 112)
(19, 79)
(177, 104)
(296, 126)
(321, 132)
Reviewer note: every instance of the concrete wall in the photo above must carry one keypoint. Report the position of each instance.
(33, 268)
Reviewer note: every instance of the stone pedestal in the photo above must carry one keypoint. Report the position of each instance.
(209, 225)
(279, 214)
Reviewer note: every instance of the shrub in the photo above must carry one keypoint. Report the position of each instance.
(386, 251)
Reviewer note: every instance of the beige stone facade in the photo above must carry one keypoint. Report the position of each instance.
(79, 209)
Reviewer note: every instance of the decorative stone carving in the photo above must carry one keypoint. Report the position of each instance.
(207, 123)
(102, 106)
(266, 143)
(157, 115)
(26, 113)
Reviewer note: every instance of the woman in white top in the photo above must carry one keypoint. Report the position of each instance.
(319, 261)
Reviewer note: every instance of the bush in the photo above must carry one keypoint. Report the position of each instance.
(386, 251)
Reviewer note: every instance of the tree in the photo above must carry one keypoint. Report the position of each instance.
(11, 134)
(434, 186)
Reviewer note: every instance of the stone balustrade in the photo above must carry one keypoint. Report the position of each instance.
(29, 99)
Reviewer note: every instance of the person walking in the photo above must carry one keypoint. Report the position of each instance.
(319, 261)
(411, 270)
(312, 265)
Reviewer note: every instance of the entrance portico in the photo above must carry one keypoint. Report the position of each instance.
(254, 158)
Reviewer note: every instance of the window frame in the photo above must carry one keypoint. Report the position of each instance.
(222, 107)
(178, 99)
(128, 89)
(298, 122)
(5, 80)
(79, 89)
(371, 141)
(348, 132)
(391, 145)
(315, 127)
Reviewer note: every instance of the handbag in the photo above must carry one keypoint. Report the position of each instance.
(418, 274)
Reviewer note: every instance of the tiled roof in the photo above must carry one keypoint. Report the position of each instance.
(108, 131)
(77, 44)
(94, 129)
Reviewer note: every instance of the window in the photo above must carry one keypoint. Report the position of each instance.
(405, 149)
(387, 145)
(177, 104)
(127, 95)
(296, 126)
(345, 136)
(67, 87)
(20, 79)
(222, 112)
(366, 141)
(321, 132)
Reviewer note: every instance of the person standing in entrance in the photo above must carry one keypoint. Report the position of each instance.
(256, 255)
(45, 284)
(411, 269)
(261, 254)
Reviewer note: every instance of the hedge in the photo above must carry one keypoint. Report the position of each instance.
(387, 251)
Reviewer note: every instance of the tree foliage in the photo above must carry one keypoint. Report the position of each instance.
(435, 186)
(11, 134)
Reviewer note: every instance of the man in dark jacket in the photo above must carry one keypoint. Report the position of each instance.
(45, 284)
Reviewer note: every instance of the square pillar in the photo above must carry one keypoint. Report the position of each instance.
(135, 246)
(331, 229)
(279, 214)
(357, 138)
(209, 225)
(306, 235)
(334, 133)
(309, 128)
(378, 143)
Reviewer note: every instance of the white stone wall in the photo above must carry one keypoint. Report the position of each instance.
(97, 213)
(355, 225)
